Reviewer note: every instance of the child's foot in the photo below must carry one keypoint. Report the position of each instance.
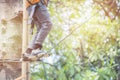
(25, 57)
(38, 54)
(34, 56)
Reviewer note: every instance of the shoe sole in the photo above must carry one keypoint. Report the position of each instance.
(38, 56)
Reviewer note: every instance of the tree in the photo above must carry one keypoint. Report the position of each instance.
(89, 50)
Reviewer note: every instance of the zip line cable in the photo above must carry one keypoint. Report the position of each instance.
(72, 32)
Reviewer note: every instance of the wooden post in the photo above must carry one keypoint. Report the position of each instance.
(25, 65)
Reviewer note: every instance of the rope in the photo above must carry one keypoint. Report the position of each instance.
(71, 32)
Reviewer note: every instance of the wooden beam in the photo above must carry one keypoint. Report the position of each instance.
(25, 65)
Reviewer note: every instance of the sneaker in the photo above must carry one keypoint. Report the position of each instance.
(34, 56)
(38, 54)
(31, 57)
(25, 57)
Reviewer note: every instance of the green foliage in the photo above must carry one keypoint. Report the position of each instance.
(89, 52)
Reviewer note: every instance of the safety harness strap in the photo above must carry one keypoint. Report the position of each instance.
(29, 2)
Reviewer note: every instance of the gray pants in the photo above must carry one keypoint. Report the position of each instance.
(43, 25)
